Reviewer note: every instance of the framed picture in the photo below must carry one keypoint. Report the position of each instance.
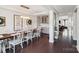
(2, 21)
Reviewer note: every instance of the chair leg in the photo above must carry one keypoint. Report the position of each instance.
(0, 48)
(14, 49)
(27, 43)
(37, 37)
(31, 39)
(21, 45)
(3, 48)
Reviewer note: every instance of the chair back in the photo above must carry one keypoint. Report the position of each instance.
(29, 34)
(39, 30)
(16, 36)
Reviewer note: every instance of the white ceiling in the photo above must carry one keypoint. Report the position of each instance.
(34, 9)
(64, 8)
(40, 9)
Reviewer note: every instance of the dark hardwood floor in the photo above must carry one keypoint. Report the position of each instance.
(43, 46)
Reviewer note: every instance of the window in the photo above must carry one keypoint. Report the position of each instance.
(44, 19)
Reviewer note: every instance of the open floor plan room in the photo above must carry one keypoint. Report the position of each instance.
(39, 28)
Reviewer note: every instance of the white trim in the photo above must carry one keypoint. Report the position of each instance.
(51, 41)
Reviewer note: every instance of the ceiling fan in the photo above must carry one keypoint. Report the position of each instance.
(24, 6)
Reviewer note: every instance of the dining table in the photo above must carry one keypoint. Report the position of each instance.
(6, 36)
(4, 39)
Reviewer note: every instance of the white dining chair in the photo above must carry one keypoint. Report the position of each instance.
(17, 39)
(28, 37)
(2, 45)
(34, 33)
(5, 45)
(1, 41)
(38, 32)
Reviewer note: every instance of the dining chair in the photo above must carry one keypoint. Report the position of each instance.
(1, 41)
(27, 37)
(38, 32)
(34, 33)
(5, 45)
(17, 39)
(2, 45)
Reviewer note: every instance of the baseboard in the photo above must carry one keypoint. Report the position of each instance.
(51, 41)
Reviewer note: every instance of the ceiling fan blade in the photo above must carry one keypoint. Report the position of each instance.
(25, 7)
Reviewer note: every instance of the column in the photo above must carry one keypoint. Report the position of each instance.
(51, 26)
(74, 33)
(77, 28)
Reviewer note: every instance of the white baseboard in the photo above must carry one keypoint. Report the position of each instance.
(51, 41)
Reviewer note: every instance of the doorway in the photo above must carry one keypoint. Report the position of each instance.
(65, 28)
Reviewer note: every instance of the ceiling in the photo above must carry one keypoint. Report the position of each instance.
(65, 8)
(40, 9)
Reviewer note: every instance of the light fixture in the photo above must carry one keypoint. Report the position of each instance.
(26, 17)
(24, 6)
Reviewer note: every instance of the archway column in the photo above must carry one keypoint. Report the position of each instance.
(77, 29)
(51, 26)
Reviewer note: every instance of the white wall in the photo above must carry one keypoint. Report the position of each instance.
(33, 25)
(45, 28)
(10, 20)
(38, 20)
